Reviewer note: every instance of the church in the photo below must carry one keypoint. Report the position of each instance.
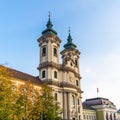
(65, 79)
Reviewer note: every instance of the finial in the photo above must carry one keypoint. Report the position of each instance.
(49, 23)
(49, 15)
(69, 36)
(69, 30)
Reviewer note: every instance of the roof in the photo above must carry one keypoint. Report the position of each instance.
(97, 98)
(24, 76)
(69, 43)
(98, 101)
(85, 106)
(49, 29)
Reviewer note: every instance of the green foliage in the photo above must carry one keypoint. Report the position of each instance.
(50, 109)
(27, 103)
(7, 95)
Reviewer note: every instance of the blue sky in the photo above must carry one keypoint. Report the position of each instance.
(95, 29)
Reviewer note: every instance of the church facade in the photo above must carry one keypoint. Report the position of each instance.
(64, 78)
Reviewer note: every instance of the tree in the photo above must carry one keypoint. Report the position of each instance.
(7, 95)
(50, 109)
(37, 105)
(28, 96)
(26, 103)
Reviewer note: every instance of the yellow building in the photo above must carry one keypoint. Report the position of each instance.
(99, 109)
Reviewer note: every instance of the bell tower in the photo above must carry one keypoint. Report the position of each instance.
(70, 55)
(70, 62)
(49, 44)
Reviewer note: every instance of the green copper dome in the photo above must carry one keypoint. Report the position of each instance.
(69, 44)
(49, 28)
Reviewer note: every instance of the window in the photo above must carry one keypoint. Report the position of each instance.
(84, 117)
(55, 74)
(78, 109)
(78, 101)
(55, 96)
(106, 116)
(43, 74)
(55, 51)
(44, 51)
(76, 62)
(73, 100)
(77, 83)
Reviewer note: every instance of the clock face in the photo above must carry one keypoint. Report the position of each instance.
(71, 79)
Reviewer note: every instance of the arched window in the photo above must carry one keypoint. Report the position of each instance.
(77, 83)
(76, 62)
(114, 116)
(73, 101)
(55, 51)
(44, 51)
(55, 74)
(78, 101)
(106, 116)
(55, 96)
(78, 109)
(111, 116)
(43, 74)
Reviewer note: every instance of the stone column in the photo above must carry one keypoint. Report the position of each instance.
(68, 105)
(64, 106)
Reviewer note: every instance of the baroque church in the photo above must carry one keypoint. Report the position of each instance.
(65, 79)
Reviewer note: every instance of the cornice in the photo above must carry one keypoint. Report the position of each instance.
(71, 49)
(52, 38)
(62, 85)
(59, 67)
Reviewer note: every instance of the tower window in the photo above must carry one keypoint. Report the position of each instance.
(78, 101)
(43, 74)
(73, 101)
(55, 74)
(55, 96)
(55, 51)
(78, 109)
(77, 83)
(44, 51)
(76, 62)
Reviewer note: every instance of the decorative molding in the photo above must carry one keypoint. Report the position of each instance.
(59, 67)
(52, 38)
(62, 85)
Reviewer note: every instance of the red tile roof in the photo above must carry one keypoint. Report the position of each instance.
(24, 76)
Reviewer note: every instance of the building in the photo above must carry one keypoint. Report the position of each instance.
(99, 109)
(64, 78)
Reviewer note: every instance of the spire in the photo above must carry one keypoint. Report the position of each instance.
(49, 23)
(69, 36)
(49, 28)
(69, 43)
